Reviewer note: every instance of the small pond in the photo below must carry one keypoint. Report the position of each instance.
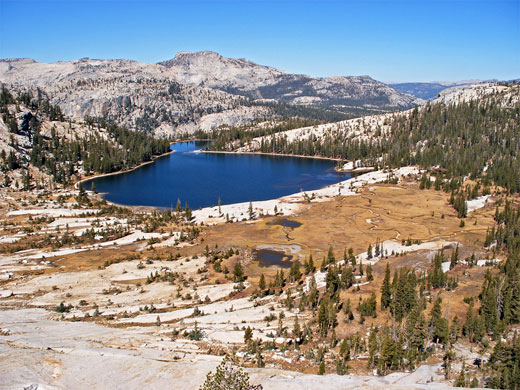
(272, 258)
(284, 222)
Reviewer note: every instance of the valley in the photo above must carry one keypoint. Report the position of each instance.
(403, 275)
(166, 293)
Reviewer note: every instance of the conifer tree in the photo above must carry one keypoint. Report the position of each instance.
(386, 292)
(261, 283)
(238, 272)
(297, 332)
(248, 335)
(370, 277)
(330, 256)
(438, 325)
(461, 379)
(250, 210)
(454, 257)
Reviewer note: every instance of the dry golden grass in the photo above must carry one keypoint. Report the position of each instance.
(379, 212)
(392, 213)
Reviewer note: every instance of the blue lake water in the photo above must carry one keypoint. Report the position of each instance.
(201, 178)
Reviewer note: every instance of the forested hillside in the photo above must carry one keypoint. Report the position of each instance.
(36, 135)
(471, 145)
(479, 138)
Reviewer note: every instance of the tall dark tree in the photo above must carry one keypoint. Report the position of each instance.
(386, 291)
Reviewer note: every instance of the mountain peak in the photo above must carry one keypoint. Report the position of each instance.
(197, 75)
(186, 58)
(246, 78)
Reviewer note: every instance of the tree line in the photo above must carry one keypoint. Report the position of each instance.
(476, 138)
(62, 157)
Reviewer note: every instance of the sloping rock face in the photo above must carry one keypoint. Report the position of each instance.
(136, 95)
(246, 78)
(174, 96)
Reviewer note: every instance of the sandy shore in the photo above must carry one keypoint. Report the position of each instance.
(290, 204)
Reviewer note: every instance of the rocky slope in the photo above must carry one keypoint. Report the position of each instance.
(508, 93)
(376, 126)
(192, 91)
(243, 77)
(136, 95)
(429, 90)
(42, 148)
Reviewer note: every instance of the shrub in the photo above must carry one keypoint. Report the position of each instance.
(228, 377)
(62, 308)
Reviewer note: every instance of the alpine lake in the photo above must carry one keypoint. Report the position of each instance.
(201, 179)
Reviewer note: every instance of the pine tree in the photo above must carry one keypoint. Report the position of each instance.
(454, 257)
(332, 280)
(295, 273)
(439, 325)
(81, 190)
(469, 325)
(238, 272)
(447, 358)
(324, 264)
(419, 334)
(454, 330)
(386, 292)
(330, 256)
(390, 354)
(261, 283)
(323, 316)
(352, 257)
(321, 370)
(438, 278)
(297, 332)
(248, 335)
(349, 315)
(309, 265)
(347, 277)
(227, 377)
(373, 348)
(370, 277)
(461, 379)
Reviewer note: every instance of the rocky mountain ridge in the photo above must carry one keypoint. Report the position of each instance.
(192, 91)
(430, 90)
(374, 127)
(243, 77)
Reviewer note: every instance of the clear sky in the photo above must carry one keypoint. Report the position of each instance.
(407, 40)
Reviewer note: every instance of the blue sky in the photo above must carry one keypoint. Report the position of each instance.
(389, 40)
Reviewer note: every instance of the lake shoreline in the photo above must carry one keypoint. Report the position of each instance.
(340, 170)
(97, 176)
(271, 154)
(274, 200)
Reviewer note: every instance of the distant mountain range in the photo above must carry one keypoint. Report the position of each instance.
(200, 90)
(243, 77)
(429, 90)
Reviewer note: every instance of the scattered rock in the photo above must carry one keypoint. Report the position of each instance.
(6, 293)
